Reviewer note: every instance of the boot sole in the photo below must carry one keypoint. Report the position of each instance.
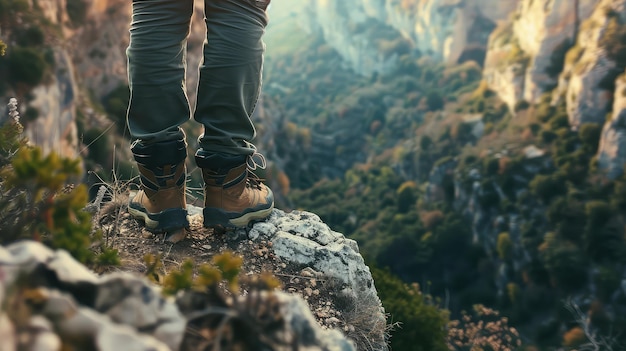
(164, 221)
(215, 217)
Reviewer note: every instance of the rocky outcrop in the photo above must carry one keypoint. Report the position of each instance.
(612, 150)
(505, 67)
(302, 240)
(587, 80)
(525, 56)
(66, 303)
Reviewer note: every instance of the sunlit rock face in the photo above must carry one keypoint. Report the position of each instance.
(587, 80)
(53, 10)
(442, 29)
(447, 28)
(526, 54)
(545, 31)
(349, 29)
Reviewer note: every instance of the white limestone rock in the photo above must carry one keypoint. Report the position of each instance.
(131, 301)
(117, 311)
(300, 323)
(301, 238)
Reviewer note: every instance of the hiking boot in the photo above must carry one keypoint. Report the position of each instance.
(233, 195)
(160, 202)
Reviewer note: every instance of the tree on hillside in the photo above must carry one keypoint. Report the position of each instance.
(420, 324)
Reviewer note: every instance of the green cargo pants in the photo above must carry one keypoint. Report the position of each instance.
(230, 72)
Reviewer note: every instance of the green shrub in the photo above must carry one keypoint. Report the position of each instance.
(26, 65)
(521, 105)
(422, 325)
(565, 262)
(548, 136)
(560, 121)
(504, 246)
(31, 36)
(547, 187)
(544, 111)
(604, 237)
(434, 101)
(77, 11)
(37, 202)
(406, 196)
(11, 7)
(38, 207)
(589, 134)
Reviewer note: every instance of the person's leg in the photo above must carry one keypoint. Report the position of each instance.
(228, 90)
(158, 106)
(230, 74)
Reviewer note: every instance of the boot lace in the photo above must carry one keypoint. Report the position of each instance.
(254, 162)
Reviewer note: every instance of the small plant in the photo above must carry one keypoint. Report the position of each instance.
(225, 310)
(11, 138)
(37, 204)
(36, 200)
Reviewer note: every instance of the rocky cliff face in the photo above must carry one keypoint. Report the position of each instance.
(612, 150)
(588, 79)
(443, 29)
(525, 55)
(55, 127)
(570, 46)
